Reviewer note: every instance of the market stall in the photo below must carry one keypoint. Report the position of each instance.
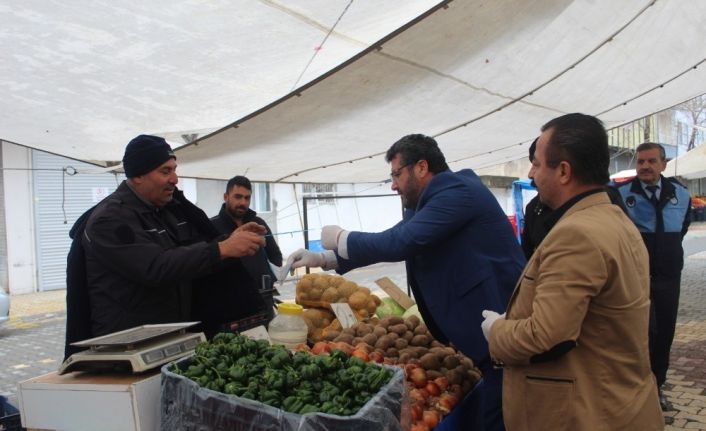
(364, 362)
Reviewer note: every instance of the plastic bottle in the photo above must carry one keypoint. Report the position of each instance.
(288, 327)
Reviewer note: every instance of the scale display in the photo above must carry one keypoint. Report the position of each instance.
(134, 350)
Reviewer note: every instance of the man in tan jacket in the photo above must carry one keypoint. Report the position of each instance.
(573, 341)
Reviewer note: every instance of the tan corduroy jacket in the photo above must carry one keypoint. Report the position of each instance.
(587, 282)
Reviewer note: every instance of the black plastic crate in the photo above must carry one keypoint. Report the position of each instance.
(9, 416)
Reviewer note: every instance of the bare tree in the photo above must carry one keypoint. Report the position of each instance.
(696, 109)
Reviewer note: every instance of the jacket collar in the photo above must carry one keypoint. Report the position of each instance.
(667, 189)
(225, 215)
(129, 197)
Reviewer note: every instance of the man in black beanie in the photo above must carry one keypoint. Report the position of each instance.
(137, 255)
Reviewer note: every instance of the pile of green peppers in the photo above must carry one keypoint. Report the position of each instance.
(298, 383)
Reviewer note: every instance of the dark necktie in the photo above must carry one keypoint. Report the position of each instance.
(653, 198)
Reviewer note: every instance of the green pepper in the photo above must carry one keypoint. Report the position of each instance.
(249, 395)
(292, 404)
(280, 359)
(339, 355)
(308, 408)
(355, 361)
(231, 388)
(195, 370)
(310, 372)
(300, 358)
(238, 373)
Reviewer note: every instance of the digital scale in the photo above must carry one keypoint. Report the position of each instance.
(134, 350)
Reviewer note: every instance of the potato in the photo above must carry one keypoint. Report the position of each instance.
(455, 377)
(408, 336)
(336, 281)
(436, 343)
(316, 334)
(364, 290)
(451, 362)
(330, 295)
(376, 299)
(404, 357)
(370, 339)
(412, 322)
(320, 283)
(391, 352)
(396, 320)
(421, 329)
(358, 300)
(346, 288)
(433, 374)
(431, 361)
(314, 293)
(350, 331)
(393, 336)
(399, 329)
(379, 331)
(346, 338)
(330, 335)
(383, 342)
(400, 344)
(305, 283)
(371, 307)
(362, 329)
(420, 340)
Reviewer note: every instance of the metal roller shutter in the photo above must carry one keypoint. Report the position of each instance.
(78, 192)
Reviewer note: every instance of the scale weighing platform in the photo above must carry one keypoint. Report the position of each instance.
(136, 350)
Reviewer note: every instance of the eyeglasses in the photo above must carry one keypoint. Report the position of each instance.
(396, 173)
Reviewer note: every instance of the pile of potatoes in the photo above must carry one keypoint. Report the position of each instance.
(321, 322)
(401, 341)
(321, 290)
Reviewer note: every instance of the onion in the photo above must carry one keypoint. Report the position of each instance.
(419, 377)
(431, 418)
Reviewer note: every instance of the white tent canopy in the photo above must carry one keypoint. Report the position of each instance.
(691, 165)
(481, 76)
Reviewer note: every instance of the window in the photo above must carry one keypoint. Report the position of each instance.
(261, 200)
(323, 192)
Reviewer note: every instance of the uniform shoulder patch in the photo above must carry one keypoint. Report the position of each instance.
(630, 201)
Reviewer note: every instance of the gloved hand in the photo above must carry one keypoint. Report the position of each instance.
(490, 318)
(335, 238)
(325, 260)
(329, 236)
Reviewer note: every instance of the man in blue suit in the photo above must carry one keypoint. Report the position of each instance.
(459, 247)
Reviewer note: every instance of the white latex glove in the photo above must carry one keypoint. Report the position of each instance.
(490, 318)
(335, 238)
(329, 236)
(325, 260)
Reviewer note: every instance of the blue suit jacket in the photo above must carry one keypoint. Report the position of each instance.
(461, 254)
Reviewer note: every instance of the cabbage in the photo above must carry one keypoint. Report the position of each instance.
(413, 311)
(389, 307)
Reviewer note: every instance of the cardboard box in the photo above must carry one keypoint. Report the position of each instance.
(82, 401)
(395, 292)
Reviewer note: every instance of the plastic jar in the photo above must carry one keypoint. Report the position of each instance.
(288, 327)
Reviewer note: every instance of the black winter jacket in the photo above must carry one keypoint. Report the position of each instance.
(257, 265)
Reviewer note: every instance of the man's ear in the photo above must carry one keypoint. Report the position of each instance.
(423, 167)
(565, 172)
(225, 197)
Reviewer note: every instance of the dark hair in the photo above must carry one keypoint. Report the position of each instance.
(652, 146)
(413, 148)
(582, 141)
(238, 180)
(532, 149)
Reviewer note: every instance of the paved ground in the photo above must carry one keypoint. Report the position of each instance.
(31, 343)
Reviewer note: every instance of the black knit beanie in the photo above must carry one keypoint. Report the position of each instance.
(144, 153)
